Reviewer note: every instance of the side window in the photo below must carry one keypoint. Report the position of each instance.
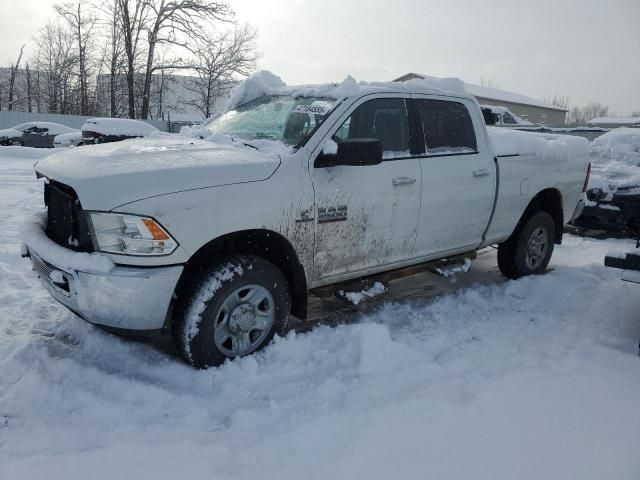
(381, 118)
(508, 119)
(447, 127)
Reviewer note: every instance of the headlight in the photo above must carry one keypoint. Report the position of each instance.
(130, 235)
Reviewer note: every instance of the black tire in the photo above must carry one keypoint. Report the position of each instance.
(16, 142)
(205, 310)
(516, 256)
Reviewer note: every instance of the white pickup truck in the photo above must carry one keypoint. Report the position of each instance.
(219, 234)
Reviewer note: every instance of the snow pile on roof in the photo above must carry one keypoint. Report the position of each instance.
(257, 85)
(119, 126)
(615, 159)
(54, 128)
(507, 142)
(615, 121)
(445, 84)
(265, 83)
(34, 236)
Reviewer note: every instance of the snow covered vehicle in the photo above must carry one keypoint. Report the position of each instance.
(219, 233)
(33, 134)
(106, 130)
(73, 139)
(613, 195)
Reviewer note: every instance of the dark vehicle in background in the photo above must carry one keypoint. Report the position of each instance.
(106, 130)
(33, 134)
(617, 212)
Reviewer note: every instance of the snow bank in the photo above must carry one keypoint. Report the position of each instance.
(119, 126)
(615, 160)
(529, 379)
(34, 237)
(619, 144)
(513, 142)
(24, 152)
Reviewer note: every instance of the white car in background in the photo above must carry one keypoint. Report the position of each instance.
(73, 139)
(33, 134)
(106, 130)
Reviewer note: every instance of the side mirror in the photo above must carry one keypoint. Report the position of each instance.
(353, 152)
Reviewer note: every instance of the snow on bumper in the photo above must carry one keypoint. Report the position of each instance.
(100, 292)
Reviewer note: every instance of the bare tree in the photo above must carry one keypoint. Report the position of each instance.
(176, 23)
(219, 60)
(582, 115)
(29, 87)
(132, 16)
(55, 60)
(560, 101)
(485, 82)
(82, 26)
(12, 78)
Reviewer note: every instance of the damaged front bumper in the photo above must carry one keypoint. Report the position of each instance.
(125, 298)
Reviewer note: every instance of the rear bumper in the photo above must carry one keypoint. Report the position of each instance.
(125, 298)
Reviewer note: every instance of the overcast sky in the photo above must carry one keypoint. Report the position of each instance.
(584, 49)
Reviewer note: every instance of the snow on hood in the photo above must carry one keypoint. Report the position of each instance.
(508, 142)
(112, 174)
(265, 83)
(10, 133)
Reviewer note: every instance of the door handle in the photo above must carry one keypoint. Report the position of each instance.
(398, 181)
(483, 172)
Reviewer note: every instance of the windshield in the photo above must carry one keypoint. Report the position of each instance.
(281, 118)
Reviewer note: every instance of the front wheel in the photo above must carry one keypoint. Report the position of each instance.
(16, 142)
(529, 249)
(233, 309)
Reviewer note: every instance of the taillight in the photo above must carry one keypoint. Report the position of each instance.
(586, 180)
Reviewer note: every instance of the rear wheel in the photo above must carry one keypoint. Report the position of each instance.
(233, 309)
(16, 142)
(528, 251)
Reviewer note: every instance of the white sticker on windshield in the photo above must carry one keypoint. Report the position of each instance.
(316, 109)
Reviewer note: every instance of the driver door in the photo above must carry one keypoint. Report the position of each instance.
(367, 216)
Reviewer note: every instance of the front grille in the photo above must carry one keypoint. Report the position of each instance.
(66, 221)
(44, 269)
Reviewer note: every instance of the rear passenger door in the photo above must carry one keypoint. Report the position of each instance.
(458, 175)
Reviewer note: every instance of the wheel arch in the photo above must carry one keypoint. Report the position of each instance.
(548, 200)
(263, 243)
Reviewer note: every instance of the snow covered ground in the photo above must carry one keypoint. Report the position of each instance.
(530, 379)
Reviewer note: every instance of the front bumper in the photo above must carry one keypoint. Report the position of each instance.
(125, 298)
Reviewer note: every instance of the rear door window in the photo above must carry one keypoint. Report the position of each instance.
(384, 119)
(447, 127)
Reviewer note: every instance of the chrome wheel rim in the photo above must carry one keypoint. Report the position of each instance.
(244, 320)
(537, 248)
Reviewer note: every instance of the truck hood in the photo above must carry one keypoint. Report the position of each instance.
(110, 175)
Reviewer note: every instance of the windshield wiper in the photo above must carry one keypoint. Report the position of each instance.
(245, 144)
